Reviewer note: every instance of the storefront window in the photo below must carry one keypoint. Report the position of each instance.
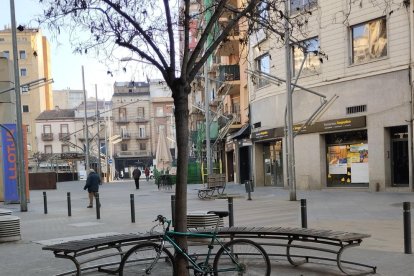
(273, 164)
(347, 158)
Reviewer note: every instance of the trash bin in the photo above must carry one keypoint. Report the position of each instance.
(248, 184)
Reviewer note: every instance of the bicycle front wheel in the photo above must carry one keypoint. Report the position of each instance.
(139, 259)
(241, 257)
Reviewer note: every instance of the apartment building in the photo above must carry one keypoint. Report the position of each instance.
(131, 115)
(34, 65)
(361, 138)
(67, 98)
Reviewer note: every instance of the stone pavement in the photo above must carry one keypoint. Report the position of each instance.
(378, 214)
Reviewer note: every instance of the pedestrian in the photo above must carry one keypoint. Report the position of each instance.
(136, 174)
(147, 173)
(121, 174)
(92, 184)
(116, 175)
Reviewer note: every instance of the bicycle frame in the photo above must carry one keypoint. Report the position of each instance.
(203, 267)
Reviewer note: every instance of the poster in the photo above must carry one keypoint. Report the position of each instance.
(11, 191)
(359, 173)
(337, 159)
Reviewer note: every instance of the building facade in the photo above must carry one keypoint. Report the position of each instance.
(132, 122)
(362, 135)
(67, 98)
(34, 65)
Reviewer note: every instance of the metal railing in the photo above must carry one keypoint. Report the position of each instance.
(47, 136)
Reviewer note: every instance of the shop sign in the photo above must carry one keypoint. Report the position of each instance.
(69, 155)
(267, 134)
(332, 125)
(229, 146)
(245, 143)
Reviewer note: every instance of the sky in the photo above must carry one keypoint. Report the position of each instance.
(67, 66)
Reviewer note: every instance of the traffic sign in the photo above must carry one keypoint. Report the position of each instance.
(109, 161)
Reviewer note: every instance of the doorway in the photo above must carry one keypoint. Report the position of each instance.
(244, 164)
(273, 163)
(399, 156)
(230, 167)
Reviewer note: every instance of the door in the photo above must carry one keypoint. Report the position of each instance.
(244, 164)
(230, 168)
(399, 151)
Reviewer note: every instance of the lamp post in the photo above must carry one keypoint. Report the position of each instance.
(19, 131)
(85, 125)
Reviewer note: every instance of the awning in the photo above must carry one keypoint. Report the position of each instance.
(244, 130)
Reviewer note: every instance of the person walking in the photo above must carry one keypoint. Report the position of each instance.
(92, 184)
(136, 174)
(147, 173)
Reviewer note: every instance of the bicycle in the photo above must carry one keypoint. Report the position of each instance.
(236, 257)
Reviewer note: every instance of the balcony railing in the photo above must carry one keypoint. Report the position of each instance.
(122, 120)
(142, 120)
(126, 136)
(137, 153)
(142, 137)
(47, 136)
(64, 136)
(229, 73)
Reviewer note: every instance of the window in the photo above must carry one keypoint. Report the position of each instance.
(6, 54)
(159, 111)
(142, 146)
(25, 108)
(263, 65)
(23, 72)
(263, 12)
(24, 89)
(312, 63)
(124, 147)
(122, 114)
(65, 148)
(124, 132)
(47, 129)
(369, 41)
(141, 112)
(28, 129)
(22, 54)
(64, 128)
(142, 131)
(48, 149)
(300, 5)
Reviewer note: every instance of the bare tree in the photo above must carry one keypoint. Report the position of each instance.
(149, 31)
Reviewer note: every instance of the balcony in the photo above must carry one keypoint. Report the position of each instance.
(142, 137)
(142, 120)
(229, 77)
(47, 136)
(122, 121)
(138, 153)
(126, 136)
(64, 136)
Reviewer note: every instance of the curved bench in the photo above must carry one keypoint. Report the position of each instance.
(270, 236)
(338, 241)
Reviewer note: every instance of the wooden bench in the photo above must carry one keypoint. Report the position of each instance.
(324, 241)
(215, 182)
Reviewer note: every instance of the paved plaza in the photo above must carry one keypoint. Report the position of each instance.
(378, 214)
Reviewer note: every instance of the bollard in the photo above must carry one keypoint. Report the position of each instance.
(248, 187)
(304, 213)
(98, 206)
(69, 205)
(231, 216)
(131, 196)
(172, 210)
(45, 202)
(407, 228)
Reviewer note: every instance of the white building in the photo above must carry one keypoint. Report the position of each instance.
(363, 139)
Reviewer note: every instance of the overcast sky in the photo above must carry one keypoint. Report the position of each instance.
(66, 66)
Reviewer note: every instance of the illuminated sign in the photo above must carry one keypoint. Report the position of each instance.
(11, 192)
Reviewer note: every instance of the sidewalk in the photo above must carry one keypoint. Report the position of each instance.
(378, 214)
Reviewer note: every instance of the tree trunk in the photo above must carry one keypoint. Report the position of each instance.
(180, 95)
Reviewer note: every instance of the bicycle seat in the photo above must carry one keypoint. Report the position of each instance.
(220, 214)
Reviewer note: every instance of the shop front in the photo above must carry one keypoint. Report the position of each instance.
(269, 157)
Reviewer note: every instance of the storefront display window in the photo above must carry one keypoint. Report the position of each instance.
(347, 158)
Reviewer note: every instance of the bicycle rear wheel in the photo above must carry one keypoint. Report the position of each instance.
(251, 259)
(139, 258)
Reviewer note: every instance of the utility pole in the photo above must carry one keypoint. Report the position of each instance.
(85, 125)
(207, 115)
(289, 106)
(21, 175)
(97, 135)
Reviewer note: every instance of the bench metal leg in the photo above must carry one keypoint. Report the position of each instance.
(73, 259)
(339, 262)
(291, 261)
